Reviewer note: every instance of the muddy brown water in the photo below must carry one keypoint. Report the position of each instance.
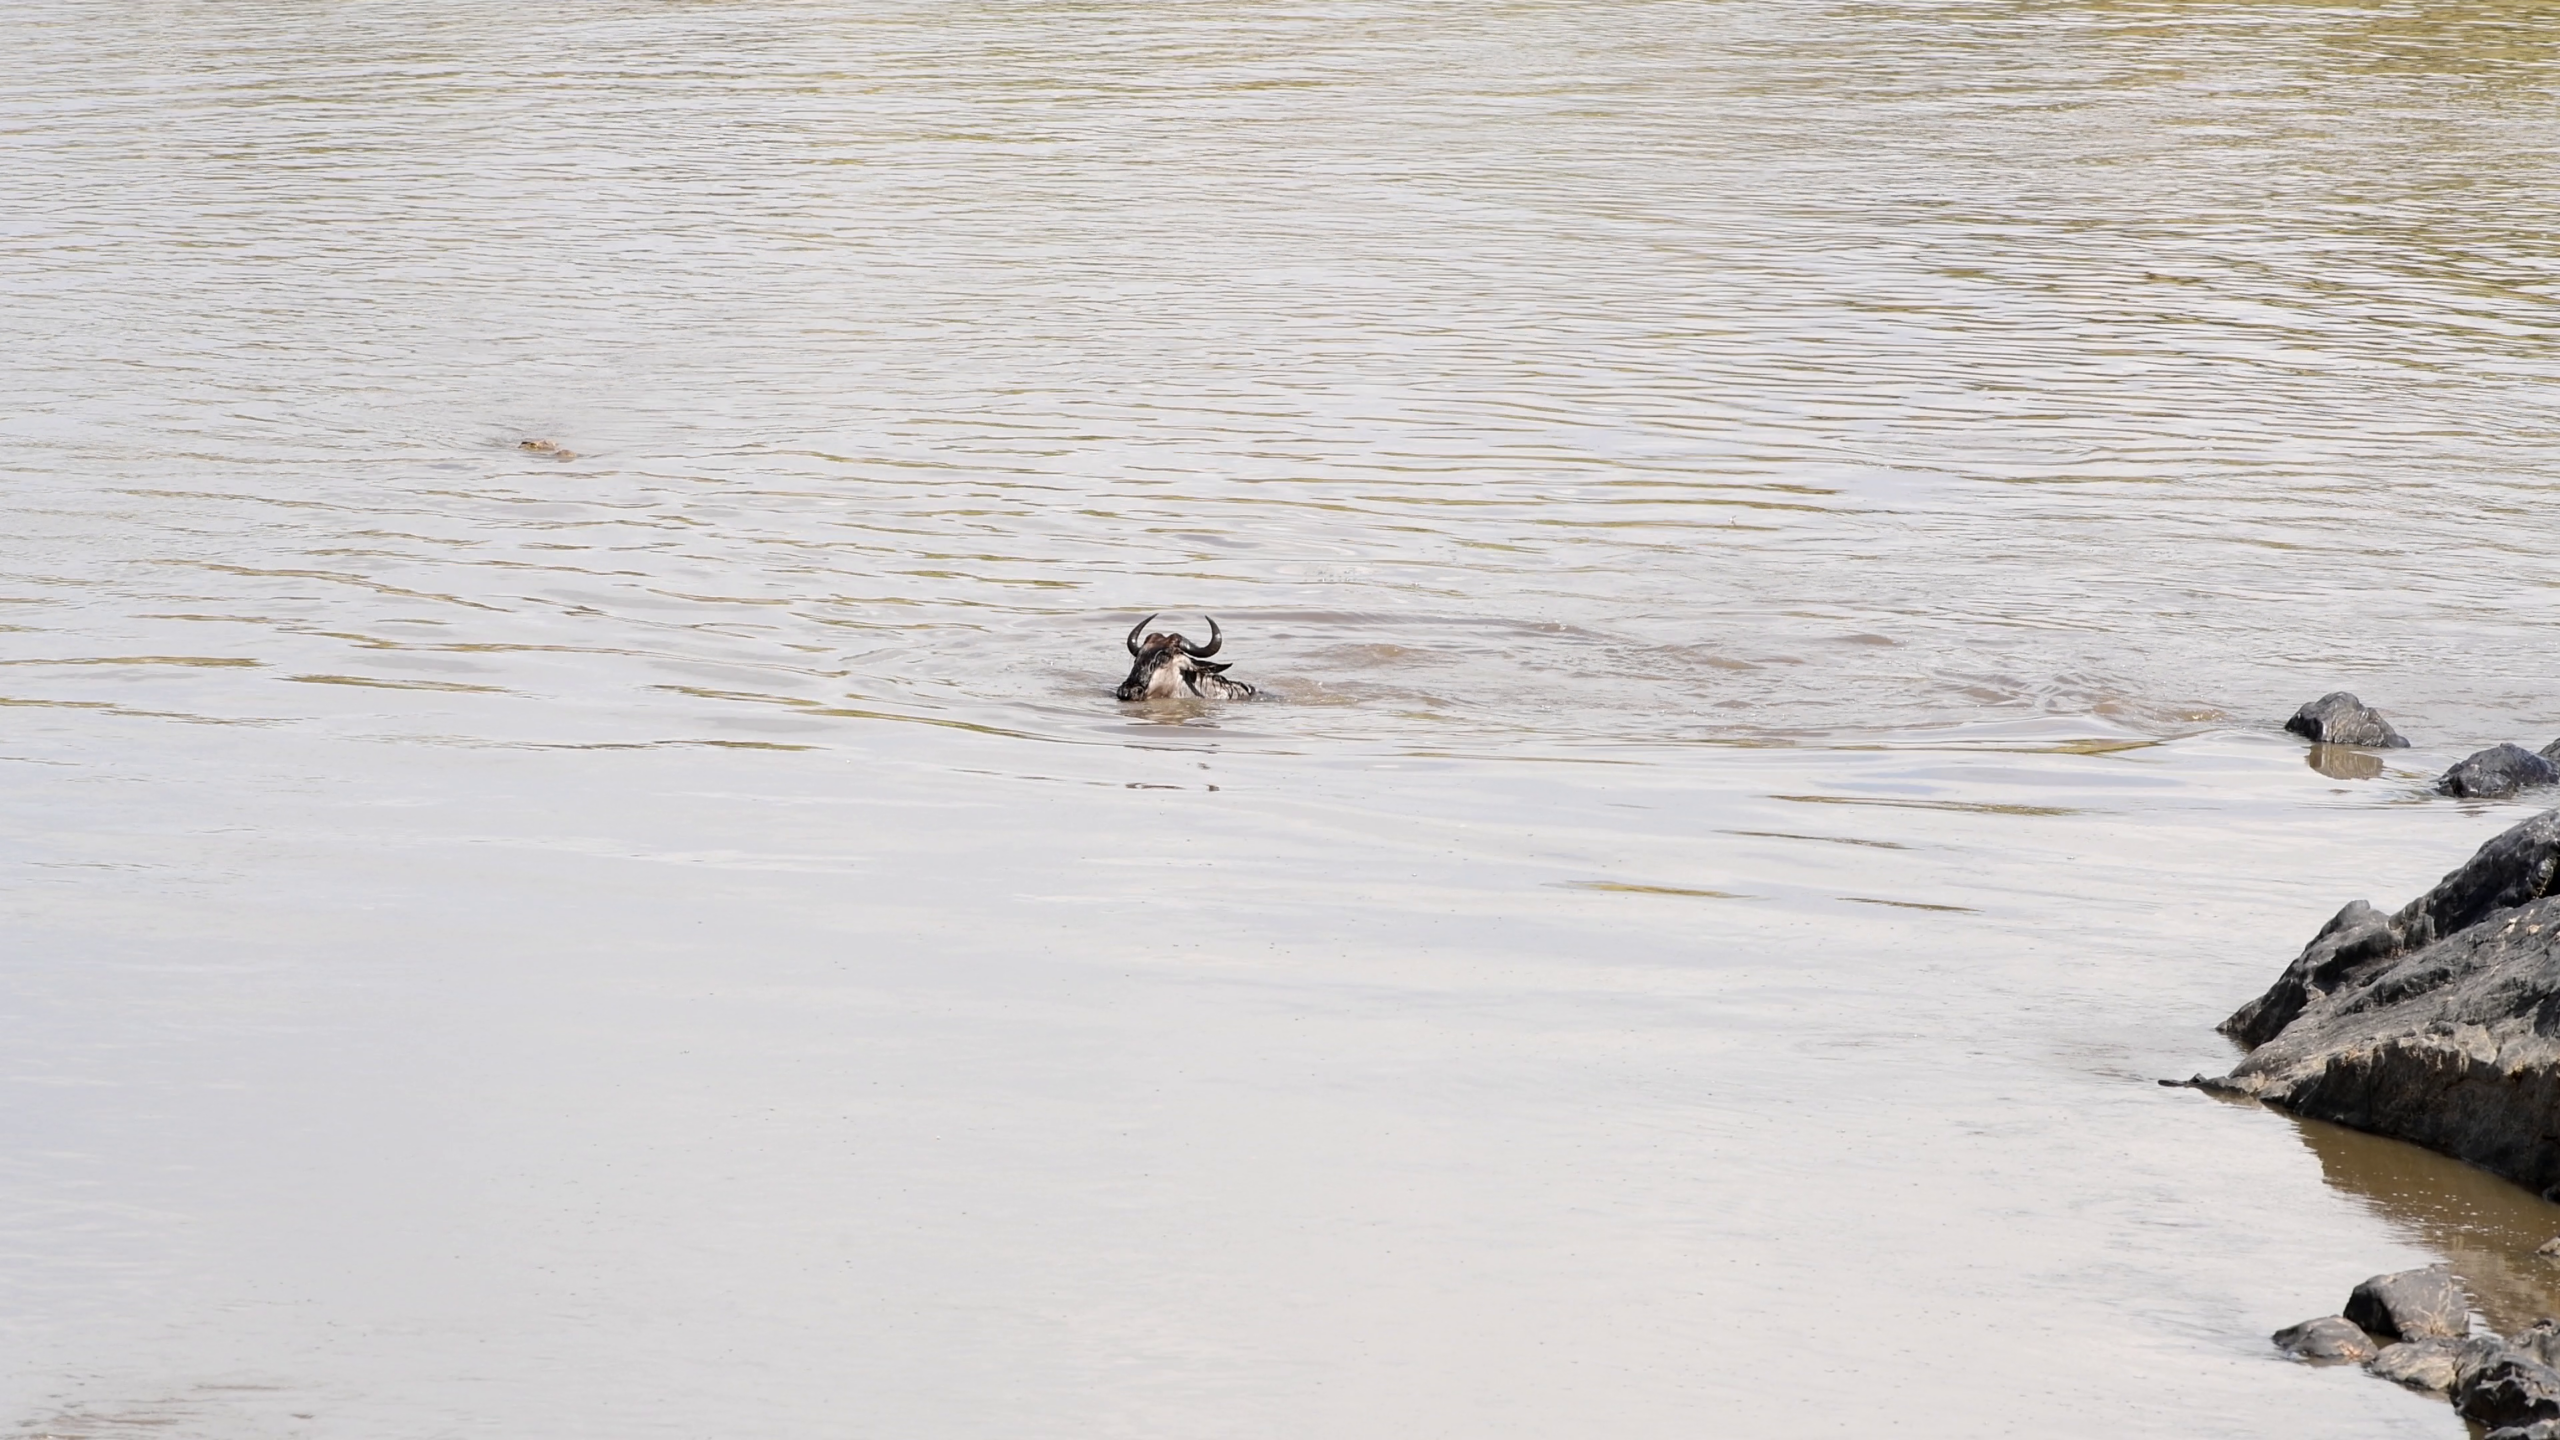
(1777, 535)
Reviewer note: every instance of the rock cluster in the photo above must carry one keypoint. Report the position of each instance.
(2438, 1023)
(2414, 1328)
(2339, 718)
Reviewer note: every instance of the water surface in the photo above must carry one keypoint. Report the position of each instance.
(1777, 536)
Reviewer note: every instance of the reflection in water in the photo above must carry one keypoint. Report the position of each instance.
(2345, 762)
(2487, 1227)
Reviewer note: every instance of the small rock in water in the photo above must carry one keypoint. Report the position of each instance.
(2412, 1305)
(2339, 718)
(2331, 1337)
(2419, 1364)
(551, 448)
(2498, 771)
(2549, 1249)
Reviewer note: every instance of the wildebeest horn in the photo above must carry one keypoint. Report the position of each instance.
(1133, 632)
(1203, 652)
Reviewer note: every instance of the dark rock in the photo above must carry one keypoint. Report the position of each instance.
(2427, 1365)
(2339, 718)
(2475, 1354)
(2506, 1388)
(2331, 1337)
(2353, 942)
(2411, 1305)
(2482, 1362)
(2541, 1341)
(2439, 1024)
(2497, 772)
(2517, 866)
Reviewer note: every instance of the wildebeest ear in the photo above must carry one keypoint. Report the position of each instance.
(1214, 667)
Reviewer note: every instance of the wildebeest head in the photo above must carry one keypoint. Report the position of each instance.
(1169, 665)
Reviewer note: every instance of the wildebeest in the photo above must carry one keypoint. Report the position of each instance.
(1168, 666)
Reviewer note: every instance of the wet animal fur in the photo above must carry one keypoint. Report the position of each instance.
(1168, 666)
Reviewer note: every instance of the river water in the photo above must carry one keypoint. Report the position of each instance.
(1776, 537)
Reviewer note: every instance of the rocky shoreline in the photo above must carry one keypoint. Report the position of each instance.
(2437, 1023)
(2415, 1328)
